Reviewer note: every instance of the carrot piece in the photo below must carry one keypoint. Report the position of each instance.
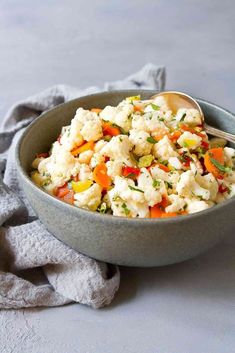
(69, 197)
(85, 147)
(101, 177)
(62, 191)
(138, 108)
(109, 129)
(155, 211)
(175, 135)
(169, 214)
(218, 155)
(163, 167)
(187, 128)
(96, 110)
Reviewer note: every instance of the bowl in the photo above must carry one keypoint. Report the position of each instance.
(118, 240)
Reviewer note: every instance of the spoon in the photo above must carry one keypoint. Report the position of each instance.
(176, 100)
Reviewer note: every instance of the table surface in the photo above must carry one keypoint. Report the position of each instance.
(185, 308)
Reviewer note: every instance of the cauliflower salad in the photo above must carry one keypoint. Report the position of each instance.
(137, 159)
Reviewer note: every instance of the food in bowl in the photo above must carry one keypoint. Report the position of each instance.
(137, 159)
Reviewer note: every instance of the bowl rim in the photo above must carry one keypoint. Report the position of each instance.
(99, 216)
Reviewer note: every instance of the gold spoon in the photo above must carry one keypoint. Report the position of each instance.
(176, 100)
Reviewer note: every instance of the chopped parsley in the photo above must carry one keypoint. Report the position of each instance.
(156, 183)
(155, 107)
(151, 140)
(125, 209)
(135, 189)
(183, 117)
(220, 166)
(169, 185)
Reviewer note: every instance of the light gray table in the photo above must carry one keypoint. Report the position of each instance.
(185, 308)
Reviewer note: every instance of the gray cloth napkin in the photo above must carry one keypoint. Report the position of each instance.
(36, 269)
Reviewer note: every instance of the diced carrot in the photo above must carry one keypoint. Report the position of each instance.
(42, 155)
(155, 211)
(85, 147)
(169, 214)
(175, 135)
(75, 178)
(62, 191)
(69, 197)
(96, 110)
(109, 129)
(138, 108)
(164, 203)
(163, 167)
(218, 155)
(101, 177)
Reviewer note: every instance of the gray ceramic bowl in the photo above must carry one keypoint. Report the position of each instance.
(133, 242)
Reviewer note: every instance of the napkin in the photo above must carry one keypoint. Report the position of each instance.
(36, 269)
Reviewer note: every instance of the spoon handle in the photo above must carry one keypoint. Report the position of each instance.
(218, 133)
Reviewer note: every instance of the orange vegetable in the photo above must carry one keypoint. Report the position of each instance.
(62, 191)
(109, 129)
(85, 147)
(138, 108)
(218, 155)
(163, 167)
(169, 214)
(156, 211)
(96, 110)
(187, 128)
(101, 177)
(175, 135)
(69, 197)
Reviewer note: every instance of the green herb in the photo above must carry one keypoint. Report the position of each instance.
(161, 161)
(155, 107)
(151, 140)
(102, 208)
(131, 175)
(168, 184)
(185, 144)
(117, 198)
(156, 183)
(183, 117)
(219, 166)
(126, 210)
(145, 161)
(161, 119)
(107, 138)
(135, 189)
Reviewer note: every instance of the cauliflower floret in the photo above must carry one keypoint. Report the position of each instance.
(118, 148)
(177, 204)
(149, 122)
(85, 157)
(96, 159)
(164, 149)
(99, 145)
(90, 198)
(89, 123)
(114, 168)
(85, 173)
(61, 165)
(175, 162)
(229, 154)
(196, 205)
(195, 165)
(208, 182)
(188, 187)
(192, 117)
(119, 115)
(139, 140)
(161, 102)
(189, 140)
(145, 183)
(71, 135)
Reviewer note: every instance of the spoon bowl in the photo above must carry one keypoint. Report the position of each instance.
(176, 100)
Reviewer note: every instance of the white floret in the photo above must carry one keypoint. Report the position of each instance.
(189, 140)
(85, 173)
(85, 157)
(161, 102)
(90, 198)
(96, 159)
(229, 155)
(145, 183)
(71, 135)
(61, 165)
(99, 145)
(188, 187)
(89, 123)
(177, 203)
(119, 115)
(118, 148)
(149, 122)
(208, 182)
(114, 168)
(139, 140)
(194, 206)
(164, 149)
(192, 117)
(175, 162)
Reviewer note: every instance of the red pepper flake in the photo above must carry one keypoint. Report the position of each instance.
(130, 172)
(42, 155)
(223, 188)
(106, 159)
(205, 145)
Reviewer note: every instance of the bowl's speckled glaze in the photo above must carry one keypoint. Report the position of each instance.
(133, 242)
